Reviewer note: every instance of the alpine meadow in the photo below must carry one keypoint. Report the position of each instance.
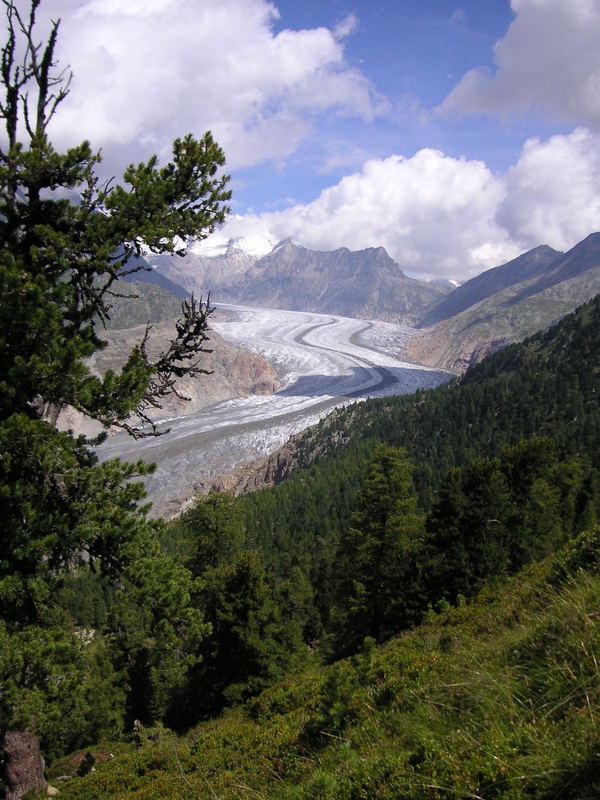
(401, 602)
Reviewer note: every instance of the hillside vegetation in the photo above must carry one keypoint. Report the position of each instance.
(546, 386)
(484, 685)
(507, 303)
(362, 544)
(498, 698)
(254, 629)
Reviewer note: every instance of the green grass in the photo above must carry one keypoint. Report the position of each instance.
(498, 698)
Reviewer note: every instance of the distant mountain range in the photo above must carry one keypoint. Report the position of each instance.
(506, 304)
(366, 283)
(456, 326)
(155, 278)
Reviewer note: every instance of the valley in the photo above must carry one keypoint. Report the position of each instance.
(321, 329)
(323, 361)
(300, 401)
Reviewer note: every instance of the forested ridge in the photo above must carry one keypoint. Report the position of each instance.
(355, 632)
(545, 386)
(497, 698)
(492, 688)
(352, 550)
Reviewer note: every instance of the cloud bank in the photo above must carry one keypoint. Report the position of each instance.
(443, 217)
(146, 71)
(549, 62)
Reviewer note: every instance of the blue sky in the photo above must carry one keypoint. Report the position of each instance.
(413, 53)
(455, 134)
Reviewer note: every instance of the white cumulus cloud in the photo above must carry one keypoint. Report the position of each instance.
(443, 217)
(146, 71)
(433, 214)
(553, 191)
(548, 61)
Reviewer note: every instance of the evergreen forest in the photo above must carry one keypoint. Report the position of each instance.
(414, 613)
(421, 643)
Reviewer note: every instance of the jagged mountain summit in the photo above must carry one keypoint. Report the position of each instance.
(364, 283)
(218, 274)
(458, 326)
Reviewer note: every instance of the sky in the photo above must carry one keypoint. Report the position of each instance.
(454, 133)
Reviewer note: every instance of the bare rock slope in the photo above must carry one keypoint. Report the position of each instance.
(233, 372)
(506, 304)
(365, 283)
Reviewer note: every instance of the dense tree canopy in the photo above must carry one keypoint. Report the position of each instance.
(255, 628)
(65, 240)
(378, 579)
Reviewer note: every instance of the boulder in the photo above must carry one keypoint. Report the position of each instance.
(23, 765)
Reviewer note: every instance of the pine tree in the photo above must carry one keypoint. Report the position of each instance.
(379, 581)
(65, 239)
(251, 641)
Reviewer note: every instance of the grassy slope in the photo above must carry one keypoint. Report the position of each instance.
(499, 320)
(507, 303)
(498, 698)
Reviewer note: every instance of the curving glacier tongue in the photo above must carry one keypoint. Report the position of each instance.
(323, 361)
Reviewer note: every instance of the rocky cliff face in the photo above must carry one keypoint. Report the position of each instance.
(255, 475)
(365, 283)
(234, 372)
(23, 765)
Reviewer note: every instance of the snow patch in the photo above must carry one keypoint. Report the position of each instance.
(218, 244)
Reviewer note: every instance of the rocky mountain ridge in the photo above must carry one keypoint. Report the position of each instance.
(506, 304)
(456, 326)
(365, 283)
(528, 265)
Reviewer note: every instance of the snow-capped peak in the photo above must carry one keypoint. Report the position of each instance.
(218, 244)
(284, 242)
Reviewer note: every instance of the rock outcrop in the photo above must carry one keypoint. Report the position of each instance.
(299, 451)
(232, 372)
(23, 765)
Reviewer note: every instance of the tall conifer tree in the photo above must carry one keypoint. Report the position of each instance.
(65, 239)
(379, 583)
